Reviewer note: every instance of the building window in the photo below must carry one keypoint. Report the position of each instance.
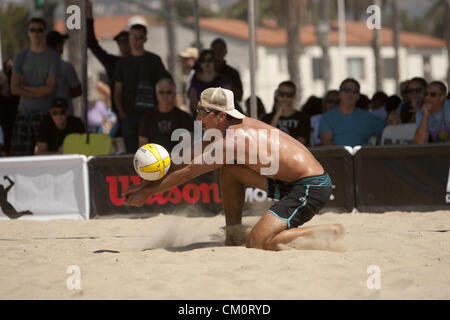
(355, 68)
(389, 68)
(317, 64)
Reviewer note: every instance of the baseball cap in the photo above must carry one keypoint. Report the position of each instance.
(220, 99)
(59, 103)
(121, 34)
(54, 37)
(190, 52)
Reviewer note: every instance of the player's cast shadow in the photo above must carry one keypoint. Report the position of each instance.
(7, 208)
(192, 246)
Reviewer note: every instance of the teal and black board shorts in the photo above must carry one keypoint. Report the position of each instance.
(299, 200)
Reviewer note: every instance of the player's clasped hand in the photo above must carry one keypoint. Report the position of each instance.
(134, 197)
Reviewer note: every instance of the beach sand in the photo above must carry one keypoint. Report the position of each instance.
(179, 257)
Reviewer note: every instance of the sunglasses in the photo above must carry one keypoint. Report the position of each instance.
(414, 90)
(285, 94)
(204, 112)
(207, 60)
(352, 90)
(165, 92)
(37, 30)
(136, 37)
(431, 94)
(55, 113)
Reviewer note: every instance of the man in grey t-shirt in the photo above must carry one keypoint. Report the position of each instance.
(34, 78)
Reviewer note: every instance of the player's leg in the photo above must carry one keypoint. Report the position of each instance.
(233, 180)
(270, 232)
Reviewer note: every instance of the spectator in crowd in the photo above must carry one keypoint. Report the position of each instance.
(312, 106)
(378, 105)
(392, 103)
(330, 101)
(69, 85)
(285, 117)
(34, 79)
(416, 96)
(157, 125)
(348, 125)
(433, 119)
(188, 60)
(135, 80)
(363, 102)
(97, 113)
(8, 104)
(219, 47)
(205, 77)
(106, 59)
(2, 141)
(260, 109)
(55, 127)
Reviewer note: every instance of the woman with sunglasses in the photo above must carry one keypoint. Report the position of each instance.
(205, 76)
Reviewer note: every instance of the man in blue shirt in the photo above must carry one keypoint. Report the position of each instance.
(433, 119)
(348, 125)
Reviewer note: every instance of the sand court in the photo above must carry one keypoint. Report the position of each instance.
(179, 257)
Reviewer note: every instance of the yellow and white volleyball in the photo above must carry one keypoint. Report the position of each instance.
(151, 161)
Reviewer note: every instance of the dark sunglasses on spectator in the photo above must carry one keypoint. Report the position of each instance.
(208, 60)
(415, 90)
(38, 30)
(55, 113)
(136, 37)
(165, 92)
(204, 112)
(285, 94)
(432, 94)
(352, 90)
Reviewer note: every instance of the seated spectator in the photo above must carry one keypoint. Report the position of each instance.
(416, 96)
(97, 113)
(330, 101)
(69, 85)
(392, 104)
(260, 109)
(285, 117)
(312, 106)
(2, 141)
(205, 77)
(157, 125)
(348, 125)
(363, 102)
(55, 127)
(433, 119)
(378, 105)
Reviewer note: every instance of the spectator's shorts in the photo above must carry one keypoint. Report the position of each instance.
(299, 200)
(25, 132)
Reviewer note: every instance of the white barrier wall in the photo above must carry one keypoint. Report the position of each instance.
(44, 187)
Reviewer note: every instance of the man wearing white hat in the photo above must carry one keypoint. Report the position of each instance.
(298, 181)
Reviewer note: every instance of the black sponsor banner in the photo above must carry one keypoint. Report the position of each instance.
(110, 176)
(408, 178)
(338, 162)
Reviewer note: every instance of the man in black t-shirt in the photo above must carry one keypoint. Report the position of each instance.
(55, 127)
(157, 125)
(135, 78)
(285, 117)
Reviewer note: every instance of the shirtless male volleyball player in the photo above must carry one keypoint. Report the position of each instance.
(300, 183)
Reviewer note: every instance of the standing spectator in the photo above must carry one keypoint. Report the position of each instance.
(433, 119)
(329, 102)
(135, 80)
(205, 77)
(157, 125)
(188, 60)
(219, 47)
(348, 125)
(34, 79)
(69, 85)
(55, 127)
(285, 117)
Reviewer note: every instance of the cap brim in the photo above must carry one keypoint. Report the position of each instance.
(235, 114)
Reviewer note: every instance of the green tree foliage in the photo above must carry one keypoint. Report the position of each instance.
(13, 26)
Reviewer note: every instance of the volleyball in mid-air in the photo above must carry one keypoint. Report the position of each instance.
(151, 161)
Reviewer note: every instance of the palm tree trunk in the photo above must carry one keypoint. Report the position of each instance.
(377, 54)
(322, 30)
(396, 40)
(293, 45)
(171, 36)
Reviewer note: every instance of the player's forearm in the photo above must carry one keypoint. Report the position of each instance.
(175, 178)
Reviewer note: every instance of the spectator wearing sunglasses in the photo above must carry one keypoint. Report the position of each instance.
(55, 127)
(34, 79)
(415, 94)
(285, 117)
(157, 125)
(433, 119)
(329, 102)
(348, 125)
(205, 77)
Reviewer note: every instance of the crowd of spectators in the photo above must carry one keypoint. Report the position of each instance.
(37, 88)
